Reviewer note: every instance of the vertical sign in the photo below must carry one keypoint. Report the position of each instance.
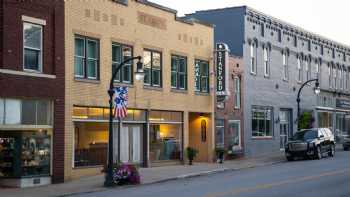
(222, 62)
(197, 75)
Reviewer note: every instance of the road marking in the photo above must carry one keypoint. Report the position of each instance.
(280, 183)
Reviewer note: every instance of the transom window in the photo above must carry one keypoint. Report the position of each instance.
(86, 58)
(152, 68)
(178, 72)
(32, 47)
(119, 54)
(201, 76)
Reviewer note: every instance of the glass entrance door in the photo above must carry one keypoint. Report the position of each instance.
(131, 144)
(285, 127)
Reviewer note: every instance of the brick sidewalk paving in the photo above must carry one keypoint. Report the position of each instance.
(148, 176)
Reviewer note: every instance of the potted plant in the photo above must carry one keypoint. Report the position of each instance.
(219, 154)
(191, 154)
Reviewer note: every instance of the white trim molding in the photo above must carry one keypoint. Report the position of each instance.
(33, 20)
(29, 74)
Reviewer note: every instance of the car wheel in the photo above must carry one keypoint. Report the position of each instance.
(290, 158)
(331, 152)
(318, 153)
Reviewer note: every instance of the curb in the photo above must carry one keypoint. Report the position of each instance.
(180, 177)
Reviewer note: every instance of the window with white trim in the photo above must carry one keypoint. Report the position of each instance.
(32, 47)
(308, 69)
(237, 83)
(347, 82)
(152, 68)
(120, 53)
(330, 76)
(262, 125)
(86, 58)
(334, 77)
(300, 71)
(285, 66)
(340, 78)
(266, 54)
(252, 58)
(318, 70)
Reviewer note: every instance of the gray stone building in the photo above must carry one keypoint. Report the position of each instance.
(278, 58)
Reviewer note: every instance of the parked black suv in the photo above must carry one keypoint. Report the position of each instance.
(310, 143)
(346, 142)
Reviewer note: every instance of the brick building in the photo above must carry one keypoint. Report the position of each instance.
(278, 58)
(32, 73)
(168, 111)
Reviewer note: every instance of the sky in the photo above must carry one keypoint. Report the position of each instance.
(324, 17)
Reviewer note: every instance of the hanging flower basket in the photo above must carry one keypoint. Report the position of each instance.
(126, 174)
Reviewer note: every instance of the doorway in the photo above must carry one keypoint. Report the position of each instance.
(285, 117)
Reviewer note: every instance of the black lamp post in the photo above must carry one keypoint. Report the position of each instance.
(317, 91)
(139, 74)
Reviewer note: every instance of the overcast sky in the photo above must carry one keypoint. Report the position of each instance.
(324, 17)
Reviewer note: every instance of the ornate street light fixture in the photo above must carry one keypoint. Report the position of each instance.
(139, 74)
(317, 91)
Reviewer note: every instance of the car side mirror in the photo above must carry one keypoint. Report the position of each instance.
(321, 136)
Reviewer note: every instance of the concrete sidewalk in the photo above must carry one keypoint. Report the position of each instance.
(148, 176)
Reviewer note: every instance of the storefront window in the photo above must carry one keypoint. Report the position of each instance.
(219, 136)
(24, 154)
(91, 142)
(262, 121)
(165, 142)
(2, 111)
(325, 120)
(234, 135)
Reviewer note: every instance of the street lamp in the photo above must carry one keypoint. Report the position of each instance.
(317, 91)
(139, 74)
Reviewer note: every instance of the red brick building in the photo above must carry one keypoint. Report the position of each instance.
(229, 114)
(32, 86)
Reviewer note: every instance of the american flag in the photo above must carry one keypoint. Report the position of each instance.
(120, 102)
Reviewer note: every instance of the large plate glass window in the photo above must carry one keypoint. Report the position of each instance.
(152, 68)
(220, 133)
(32, 47)
(86, 57)
(178, 72)
(234, 135)
(119, 54)
(262, 121)
(201, 76)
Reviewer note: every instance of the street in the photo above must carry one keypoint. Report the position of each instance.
(326, 177)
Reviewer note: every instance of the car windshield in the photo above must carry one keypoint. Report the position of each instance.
(305, 135)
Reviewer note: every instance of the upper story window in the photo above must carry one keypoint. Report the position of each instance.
(340, 78)
(285, 66)
(299, 69)
(32, 47)
(119, 54)
(308, 69)
(152, 68)
(330, 76)
(252, 58)
(266, 54)
(86, 58)
(178, 72)
(318, 70)
(347, 81)
(237, 83)
(201, 76)
(334, 77)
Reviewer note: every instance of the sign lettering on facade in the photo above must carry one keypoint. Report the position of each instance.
(222, 62)
(150, 20)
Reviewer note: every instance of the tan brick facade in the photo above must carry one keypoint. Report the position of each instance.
(141, 26)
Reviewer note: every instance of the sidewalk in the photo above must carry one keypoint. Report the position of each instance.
(148, 176)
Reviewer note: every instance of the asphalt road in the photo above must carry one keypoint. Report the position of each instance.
(329, 177)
